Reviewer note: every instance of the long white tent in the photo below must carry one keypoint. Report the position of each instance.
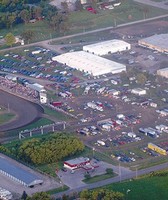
(92, 64)
(107, 47)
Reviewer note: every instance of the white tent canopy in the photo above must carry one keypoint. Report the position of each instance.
(107, 47)
(90, 63)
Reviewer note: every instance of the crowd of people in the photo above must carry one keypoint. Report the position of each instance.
(18, 89)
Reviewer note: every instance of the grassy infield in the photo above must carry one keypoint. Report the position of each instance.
(148, 188)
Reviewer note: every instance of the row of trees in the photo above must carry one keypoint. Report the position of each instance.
(49, 149)
(96, 194)
(14, 5)
(17, 11)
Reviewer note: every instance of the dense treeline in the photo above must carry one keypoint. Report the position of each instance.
(96, 194)
(101, 194)
(47, 149)
(14, 12)
(14, 5)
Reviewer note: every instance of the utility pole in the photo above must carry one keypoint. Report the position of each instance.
(53, 127)
(8, 108)
(93, 151)
(119, 169)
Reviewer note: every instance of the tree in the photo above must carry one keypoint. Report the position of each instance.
(141, 78)
(124, 77)
(24, 196)
(48, 150)
(78, 5)
(10, 39)
(38, 12)
(40, 196)
(84, 195)
(101, 194)
(87, 176)
(109, 171)
(64, 6)
(25, 15)
(11, 19)
(27, 36)
(65, 197)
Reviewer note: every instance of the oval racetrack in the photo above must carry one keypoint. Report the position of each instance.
(26, 112)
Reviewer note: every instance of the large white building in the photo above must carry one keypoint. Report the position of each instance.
(156, 42)
(87, 62)
(163, 72)
(107, 47)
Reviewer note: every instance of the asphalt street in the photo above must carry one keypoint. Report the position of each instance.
(122, 177)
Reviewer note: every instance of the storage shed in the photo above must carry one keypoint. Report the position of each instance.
(15, 172)
(138, 91)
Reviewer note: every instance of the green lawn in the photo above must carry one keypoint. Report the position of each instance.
(58, 115)
(40, 122)
(57, 190)
(97, 178)
(153, 188)
(83, 20)
(6, 117)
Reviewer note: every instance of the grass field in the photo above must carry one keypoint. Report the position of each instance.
(57, 190)
(40, 122)
(82, 21)
(6, 117)
(149, 188)
(56, 114)
(97, 178)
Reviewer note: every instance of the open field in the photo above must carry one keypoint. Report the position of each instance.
(98, 178)
(6, 117)
(83, 21)
(148, 188)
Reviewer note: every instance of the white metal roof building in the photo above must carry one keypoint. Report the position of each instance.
(138, 91)
(163, 72)
(107, 47)
(92, 64)
(18, 174)
(156, 42)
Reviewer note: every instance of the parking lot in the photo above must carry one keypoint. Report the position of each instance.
(96, 102)
(74, 180)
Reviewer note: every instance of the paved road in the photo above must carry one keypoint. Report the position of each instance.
(123, 177)
(154, 3)
(46, 42)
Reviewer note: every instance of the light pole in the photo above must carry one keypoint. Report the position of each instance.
(93, 151)
(119, 169)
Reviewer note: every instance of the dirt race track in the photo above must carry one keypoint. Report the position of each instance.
(25, 111)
